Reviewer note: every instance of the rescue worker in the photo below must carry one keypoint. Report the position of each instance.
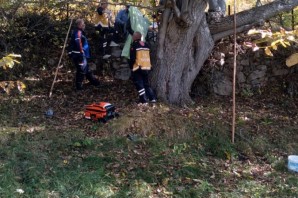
(80, 52)
(137, 23)
(140, 65)
(104, 24)
(121, 21)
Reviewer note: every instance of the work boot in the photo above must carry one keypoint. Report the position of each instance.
(153, 101)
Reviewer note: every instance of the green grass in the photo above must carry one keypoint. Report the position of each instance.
(178, 156)
(68, 164)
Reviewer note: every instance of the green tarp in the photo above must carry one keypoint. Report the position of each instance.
(139, 23)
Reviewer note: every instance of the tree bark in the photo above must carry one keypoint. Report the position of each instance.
(186, 40)
(185, 43)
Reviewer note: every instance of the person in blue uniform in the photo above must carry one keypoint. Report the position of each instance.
(80, 53)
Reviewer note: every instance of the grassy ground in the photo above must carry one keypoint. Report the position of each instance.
(151, 151)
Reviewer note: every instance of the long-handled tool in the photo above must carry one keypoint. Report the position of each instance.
(58, 66)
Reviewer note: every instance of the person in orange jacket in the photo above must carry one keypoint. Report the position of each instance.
(140, 65)
(104, 24)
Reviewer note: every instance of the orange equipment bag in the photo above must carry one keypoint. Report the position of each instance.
(102, 111)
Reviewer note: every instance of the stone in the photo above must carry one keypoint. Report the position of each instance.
(241, 77)
(262, 67)
(245, 62)
(222, 84)
(255, 82)
(124, 60)
(123, 74)
(239, 67)
(279, 72)
(256, 75)
(116, 65)
(116, 53)
(124, 65)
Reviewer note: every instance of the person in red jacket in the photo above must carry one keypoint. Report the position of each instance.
(140, 65)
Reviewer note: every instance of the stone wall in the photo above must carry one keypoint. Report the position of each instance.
(255, 71)
(118, 66)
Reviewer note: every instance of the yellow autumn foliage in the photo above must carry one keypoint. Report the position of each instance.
(271, 40)
(9, 61)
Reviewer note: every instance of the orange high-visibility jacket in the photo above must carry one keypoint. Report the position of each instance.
(140, 56)
(101, 18)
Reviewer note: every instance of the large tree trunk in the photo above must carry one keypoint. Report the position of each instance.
(185, 42)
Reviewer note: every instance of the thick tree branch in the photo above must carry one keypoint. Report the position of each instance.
(175, 9)
(185, 7)
(162, 31)
(221, 35)
(250, 17)
(181, 10)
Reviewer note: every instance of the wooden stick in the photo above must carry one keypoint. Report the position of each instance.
(234, 76)
(58, 66)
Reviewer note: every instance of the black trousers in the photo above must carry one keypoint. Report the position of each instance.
(82, 71)
(140, 79)
(121, 32)
(106, 35)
